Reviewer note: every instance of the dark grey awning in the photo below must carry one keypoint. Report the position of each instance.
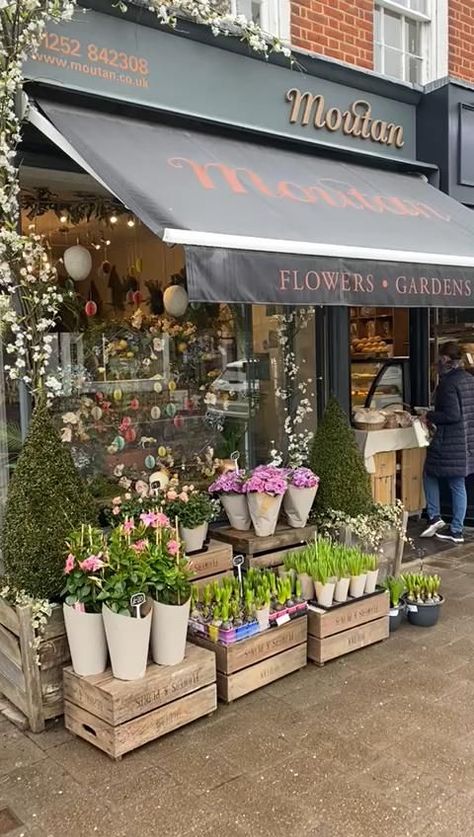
(261, 224)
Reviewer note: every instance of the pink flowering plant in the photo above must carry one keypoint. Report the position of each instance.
(83, 568)
(190, 506)
(169, 571)
(127, 570)
(267, 479)
(303, 478)
(231, 482)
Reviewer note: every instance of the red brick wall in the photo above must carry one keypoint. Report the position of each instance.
(461, 39)
(342, 29)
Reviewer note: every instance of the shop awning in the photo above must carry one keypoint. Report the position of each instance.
(266, 225)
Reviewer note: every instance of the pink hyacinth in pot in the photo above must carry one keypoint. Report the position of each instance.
(265, 489)
(230, 487)
(303, 484)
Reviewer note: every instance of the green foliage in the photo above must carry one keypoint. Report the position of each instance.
(46, 499)
(126, 573)
(422, 588)
(194, 511)
(337, 460)
(396, 588)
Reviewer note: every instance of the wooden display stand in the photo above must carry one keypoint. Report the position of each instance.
(252, 663)
(347, 627)
(212, 564)
(36, 690)
(265, 552)
(412, 495)
(383, 482)
(117, 715)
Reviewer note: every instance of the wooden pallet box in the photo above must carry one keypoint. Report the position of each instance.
(212, 564)
(251, 663)
(36, 690)
(347, 627)
(269, 551)
(118, 716)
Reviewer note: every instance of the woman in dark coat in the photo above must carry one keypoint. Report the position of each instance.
(450, 455)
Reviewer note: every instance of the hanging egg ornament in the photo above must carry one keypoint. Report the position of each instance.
(118, 394)
(130, 434)
(119, 442)
(178, 421)
(150, 461)
(96, 413)
(78, 263)
(129, 297)
(136, 297)
(90, 308)
(158, 386)
(161, 451)
(172, 386)
(155, 413)
(175, 300)
(171, 410)
(134, 404)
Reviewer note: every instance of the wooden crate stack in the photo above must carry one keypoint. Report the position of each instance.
(212, 564)
(265, 552)
(409, 488)
(117, 716)
(252, 663)
(344, 628)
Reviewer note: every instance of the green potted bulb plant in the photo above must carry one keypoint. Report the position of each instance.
(302, 563)
(126, 608)
(423, 599)
(372, 569)
(82, 610)
(343, 576)
(356, 566)
(170, 587)
(194, 511)
(396, 588)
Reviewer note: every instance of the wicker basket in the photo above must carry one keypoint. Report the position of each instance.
(366, 425)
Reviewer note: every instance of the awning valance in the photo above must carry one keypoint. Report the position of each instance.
(264, 224)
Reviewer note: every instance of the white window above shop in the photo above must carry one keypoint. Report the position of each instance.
(273, 16)
(410, 39)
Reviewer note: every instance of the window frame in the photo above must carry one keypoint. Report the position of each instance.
(433, 38)
(274, 17)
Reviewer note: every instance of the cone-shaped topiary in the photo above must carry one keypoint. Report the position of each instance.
(337, 461)
(46, 500)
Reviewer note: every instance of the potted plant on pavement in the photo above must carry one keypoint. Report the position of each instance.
(229, 487)
(170, 587)
(372, 570)
(298, 500)
(81, 608)
(194, 510)
(423, 599)
(126, 608)
(396, 588)
(265, 489)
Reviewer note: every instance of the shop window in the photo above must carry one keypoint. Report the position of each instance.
(273, 16)
(410, 39)
(142, 390)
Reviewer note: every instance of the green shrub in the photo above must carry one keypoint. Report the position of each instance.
(337, 461)
(46, 500)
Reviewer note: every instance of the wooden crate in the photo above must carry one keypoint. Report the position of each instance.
(348, 627)
(36, 690)
(412, 462)
(269, 551)
(252, 663)
(117, 716)
(212, 564)
(383, 481)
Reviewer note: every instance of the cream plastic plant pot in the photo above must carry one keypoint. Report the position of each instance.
(128, 640)
(357, 585)
(263, 617)
(307, 586)
(324, 593)
(297, 504)
(371, 580)
(168, 633)
(341, 591)
(264, 510)
(236, 508)
(86, 638)
(194, 538)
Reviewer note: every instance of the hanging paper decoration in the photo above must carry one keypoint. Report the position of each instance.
(105, 267)
(155, 412)
(130, 434)
(136, 297)
(161, 451)
(158, 386)
(188, 404)
(134, 404)
(118, 394)
(175, 299)
(96, 413)
(159, 479)
(150, 461)
(90, 308)
(171, 409)
(78, 262)
(119, 442)
(172, 386)
(178, 421)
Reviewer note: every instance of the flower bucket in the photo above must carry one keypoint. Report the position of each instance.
(357, 585)
(168, 633)
(236, 508)
(371, 581)
(297, 504)
(264, 510)
(193, 538)
(307, 585)
(324, 593)
(128, 640)
(263, 618)
(86, 638)
(341, 591)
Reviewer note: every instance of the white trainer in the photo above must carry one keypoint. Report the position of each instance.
(432, 528)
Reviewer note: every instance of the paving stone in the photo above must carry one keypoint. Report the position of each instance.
(17, 750)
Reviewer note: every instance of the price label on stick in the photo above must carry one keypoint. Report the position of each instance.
(237, 562)
(235, 455)
(136, 601)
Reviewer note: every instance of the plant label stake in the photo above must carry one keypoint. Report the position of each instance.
(235, 459)
(136, 601)
(237, 562)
